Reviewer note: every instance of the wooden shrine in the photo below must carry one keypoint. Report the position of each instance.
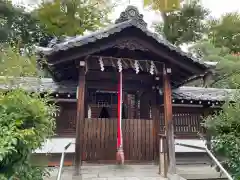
(152, 68)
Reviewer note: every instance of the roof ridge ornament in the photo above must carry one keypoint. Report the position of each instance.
(132, 13)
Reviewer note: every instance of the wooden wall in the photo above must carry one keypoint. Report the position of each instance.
(66, 119)
(100, 134)
(187, 120)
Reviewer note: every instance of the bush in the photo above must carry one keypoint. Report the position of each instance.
(225, 128)
(26, 120)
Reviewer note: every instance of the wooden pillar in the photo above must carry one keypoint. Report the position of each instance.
(80, 117)
(169, 128)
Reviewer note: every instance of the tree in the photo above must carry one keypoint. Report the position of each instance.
(224, 127)
(74, 17)
(184, 25)
(19, 27)
(50, 19)
(225, 31)
(14, 64)
(163, 5)
(227, 71)
(26, 119)
(206, 51)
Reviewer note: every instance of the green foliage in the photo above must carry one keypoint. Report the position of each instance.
(22, 28)
(30, 172)
(184, 26)
(226, 135)
(16, 64)
(73, 17)
(13, 64)
(207, 51)
(163, 5)
(18, 27)
(225, 31)
(227, 72)
(26, 120)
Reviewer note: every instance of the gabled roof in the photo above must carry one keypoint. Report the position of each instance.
(129, 18)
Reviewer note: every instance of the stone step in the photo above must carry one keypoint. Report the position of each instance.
(136, 172)
(110, 172)
(193, 158)
(199, 172)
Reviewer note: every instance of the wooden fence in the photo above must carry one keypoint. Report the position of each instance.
(100, 136)
(186, 124)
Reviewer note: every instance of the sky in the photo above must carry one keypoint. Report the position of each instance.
(217, 8)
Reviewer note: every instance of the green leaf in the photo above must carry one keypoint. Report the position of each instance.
(186, 25)
(147, 2)
(18, 122)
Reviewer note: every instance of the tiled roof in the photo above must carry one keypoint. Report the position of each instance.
(32, 84)
(182, 93)
(203, 94)
(112, 29)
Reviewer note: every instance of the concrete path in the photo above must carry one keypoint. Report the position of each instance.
(111, 172)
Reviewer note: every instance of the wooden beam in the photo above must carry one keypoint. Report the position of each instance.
(106, 85)
(168, 118)
(80, 117)
(127, 63)
(96, 75)
(64, 100)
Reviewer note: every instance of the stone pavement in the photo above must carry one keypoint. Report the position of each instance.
(111, 172)
(198, 172)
